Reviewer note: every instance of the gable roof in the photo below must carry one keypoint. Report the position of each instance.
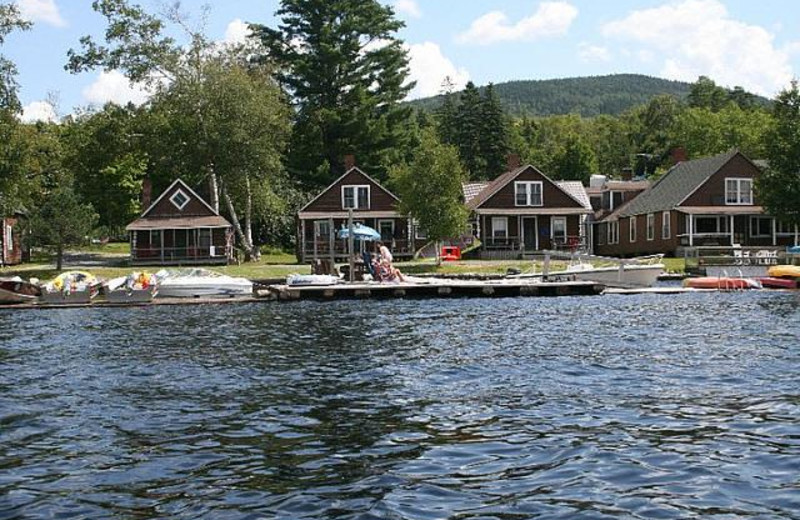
(345, 174)
(675, 186)
(496, 185)
(471, 189)
(184, 186)
(577, 191)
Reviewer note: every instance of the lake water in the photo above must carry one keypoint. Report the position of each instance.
(644, 406)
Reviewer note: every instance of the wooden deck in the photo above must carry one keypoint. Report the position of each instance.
(435, 289)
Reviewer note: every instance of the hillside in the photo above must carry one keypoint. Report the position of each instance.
(588, 96)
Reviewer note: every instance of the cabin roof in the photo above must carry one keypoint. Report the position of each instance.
(150, 219)
(345, 174)
(675, 186)
(573, 189)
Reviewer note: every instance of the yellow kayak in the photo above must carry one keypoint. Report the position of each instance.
(784, 271)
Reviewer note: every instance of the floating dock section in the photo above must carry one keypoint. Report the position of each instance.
(434, 289)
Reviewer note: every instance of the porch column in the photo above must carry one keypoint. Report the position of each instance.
(795, 234)
(774, 232)
(691, 230)
(162, 245)
(302, 240)
(733, 239)
(331, 240)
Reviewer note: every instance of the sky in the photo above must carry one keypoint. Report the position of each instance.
(753, 44)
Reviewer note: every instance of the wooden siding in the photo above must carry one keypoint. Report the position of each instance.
(10, 255)
(552, 195)
(642, 246)
(543, 228)
(166, 209)
(712, 192)
(331, 199)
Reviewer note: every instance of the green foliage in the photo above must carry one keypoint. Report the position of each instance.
(430, 188)
(10, 21)
(778, 188)
(346, 70)
(62, 220)
(575, 162)
(705, 93)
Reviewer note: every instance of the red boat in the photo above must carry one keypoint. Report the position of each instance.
(722, 283)
(772, 282)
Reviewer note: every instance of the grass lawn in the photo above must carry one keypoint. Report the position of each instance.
(279, 265)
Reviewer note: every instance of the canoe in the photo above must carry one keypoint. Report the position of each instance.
(784, 271)
(777, 283)
(721, 283)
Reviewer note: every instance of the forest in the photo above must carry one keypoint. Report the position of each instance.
(259, 129)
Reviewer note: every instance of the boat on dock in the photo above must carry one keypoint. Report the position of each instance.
(72, 287)
(138, 287)
(722, 283)
(197, 283)
(17, 290)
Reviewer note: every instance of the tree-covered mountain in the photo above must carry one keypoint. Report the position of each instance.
(588, 96)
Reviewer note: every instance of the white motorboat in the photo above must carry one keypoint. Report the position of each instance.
(626, 273)
(17, 290)
(72, 287)
(196, 283)
(138, 287)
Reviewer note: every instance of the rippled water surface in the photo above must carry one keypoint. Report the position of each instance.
(618, 406)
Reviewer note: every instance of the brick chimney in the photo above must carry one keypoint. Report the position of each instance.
(147, 193)
(349, 162)
(626, 174)
(678, 154)
(513, 161)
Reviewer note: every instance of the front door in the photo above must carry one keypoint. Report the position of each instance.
(530, 234)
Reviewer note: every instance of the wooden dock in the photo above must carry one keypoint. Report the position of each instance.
(435, 289)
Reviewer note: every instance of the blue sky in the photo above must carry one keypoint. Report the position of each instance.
(735, 42)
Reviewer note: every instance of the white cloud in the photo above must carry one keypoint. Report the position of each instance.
(593, 53)
(113, 86)
(237, 32)
(429, 68)
(550, 19)
(407, 7)
(38, 111)
(45, 11)
(698, 37)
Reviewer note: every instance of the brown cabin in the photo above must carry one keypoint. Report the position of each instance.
(180, 228)
(10, 242)
(702, 202)
(523, 211)
(372, 205)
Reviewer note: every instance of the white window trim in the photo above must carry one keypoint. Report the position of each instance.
(419, 233)
(495, 220)
(529, 193)
(666, 225)
(612, 232)
(753, 219)
(9, 238)
(318, 224)
(739, 181)
(632, 229)
(355, 195)
(553, 227)
(778, 231)
(382, 220)
(650, 225)
(185, 196)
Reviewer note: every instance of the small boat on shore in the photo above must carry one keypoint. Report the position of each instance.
(17, 290)
(72, 287)
(784, 271)
(722, 283)
(196, 282)
(137, 287)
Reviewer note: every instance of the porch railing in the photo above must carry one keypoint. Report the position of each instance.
(179, 254)
(322, 247)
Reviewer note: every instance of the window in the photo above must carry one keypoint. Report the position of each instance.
(559, 226)
(738, 191)
(666, 225)
(355, 197)
(322, 228)
(632, 229)
(179, 199)
(651, 226)
(9, 238)
(613, 232)
(499, 227)
(419, 233)
(711, 225)
(528, 193)
(783, 228)
(204, 239)
(386, 229)
(760, 226)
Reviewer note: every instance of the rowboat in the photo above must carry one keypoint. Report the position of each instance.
(72, 287)
(139, 287)
(16, 290)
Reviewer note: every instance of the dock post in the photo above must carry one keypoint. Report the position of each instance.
(546, 266)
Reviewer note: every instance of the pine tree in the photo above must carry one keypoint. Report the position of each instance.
(494, 137)
(346, 69)
(467, 131)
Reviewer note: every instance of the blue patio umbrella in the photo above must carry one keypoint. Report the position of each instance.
(360, 232)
